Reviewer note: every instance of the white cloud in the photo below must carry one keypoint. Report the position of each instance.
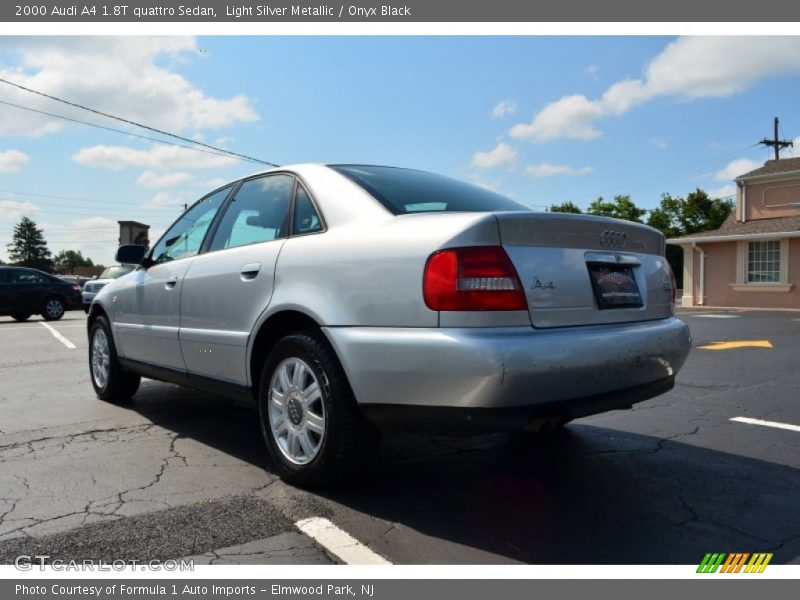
(737, 167)
(158, 156)
(688, 68)
(12, 210)
(725, 191)
(126, 76)
(659, 143)
(549, 170)
(13, 161)
(501, 155)
(503, 108)
(165, 199)
(151, 179)
(570, 117)
(214, 183)
(95, 237)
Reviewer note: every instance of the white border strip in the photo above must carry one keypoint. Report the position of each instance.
(58, 335)
(339, 543)
(412, 29)
(774, 424)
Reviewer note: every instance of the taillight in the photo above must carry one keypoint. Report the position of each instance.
(477, 278)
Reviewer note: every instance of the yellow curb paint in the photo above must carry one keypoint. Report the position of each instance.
(740, 344)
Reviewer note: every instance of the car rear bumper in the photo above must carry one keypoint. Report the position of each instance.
(575, 370)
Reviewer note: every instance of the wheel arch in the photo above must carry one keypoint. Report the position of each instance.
(273, 328)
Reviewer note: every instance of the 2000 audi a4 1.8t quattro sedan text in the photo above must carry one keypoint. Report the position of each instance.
(345, 299)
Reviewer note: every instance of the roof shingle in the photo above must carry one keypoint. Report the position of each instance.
(733, 227)
(774, 167)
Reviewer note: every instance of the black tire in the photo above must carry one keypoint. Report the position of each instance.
(120, 385)
(21, 317)
(86, 308)
(53, 309)
(349, 440)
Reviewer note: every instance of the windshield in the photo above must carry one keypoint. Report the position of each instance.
(404, 191)
(114, 272)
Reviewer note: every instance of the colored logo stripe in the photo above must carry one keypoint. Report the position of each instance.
(734, 562)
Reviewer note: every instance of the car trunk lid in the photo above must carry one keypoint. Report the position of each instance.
(584, 270)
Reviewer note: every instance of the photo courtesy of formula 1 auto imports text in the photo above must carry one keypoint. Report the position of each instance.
(377, 301)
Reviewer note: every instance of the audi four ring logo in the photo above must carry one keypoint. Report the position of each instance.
(612, 239)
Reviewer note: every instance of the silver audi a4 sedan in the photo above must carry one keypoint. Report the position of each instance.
(342, 300)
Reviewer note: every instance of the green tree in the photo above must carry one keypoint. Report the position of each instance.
(622, 207)
(565, 207)
(28, 247)
(682, 216)
(70, 259)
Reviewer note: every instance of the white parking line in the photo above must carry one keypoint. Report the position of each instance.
(58, 336)
(339, 543)
(774, 424)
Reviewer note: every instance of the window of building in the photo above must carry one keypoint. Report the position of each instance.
(764, 262)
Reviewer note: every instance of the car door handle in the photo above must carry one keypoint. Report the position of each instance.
(250, 271)
(171, 282)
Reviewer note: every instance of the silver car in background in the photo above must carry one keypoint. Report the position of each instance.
(341, 300)
(90, 288)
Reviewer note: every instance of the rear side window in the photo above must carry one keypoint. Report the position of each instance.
(306, 218)
(258, 213)
(404, 191)
(27, 277)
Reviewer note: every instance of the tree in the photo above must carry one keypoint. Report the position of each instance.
(70, 259)
(565, 207)
(697, 212)
(622, 207)
(28, 247)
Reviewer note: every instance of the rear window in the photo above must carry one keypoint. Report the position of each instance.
(405, 191)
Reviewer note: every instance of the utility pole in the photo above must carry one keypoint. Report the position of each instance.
(776, 143)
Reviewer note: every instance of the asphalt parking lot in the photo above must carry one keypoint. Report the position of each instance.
(178, 473)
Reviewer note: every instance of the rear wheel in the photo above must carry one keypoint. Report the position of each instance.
(310, 420)
(53, 309)
(21, 316)
(109, 379)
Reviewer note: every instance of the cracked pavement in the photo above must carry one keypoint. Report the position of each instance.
(179, 473)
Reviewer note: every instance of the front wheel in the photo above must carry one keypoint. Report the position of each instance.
(311, 424)
(21, 316)
(53, 309)
(109, 380)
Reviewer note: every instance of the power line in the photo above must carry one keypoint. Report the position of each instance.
(128, 133)
(134, 123)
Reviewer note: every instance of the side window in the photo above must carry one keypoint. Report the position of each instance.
(184, 238)
(258, 213)
(27, 277)
(306, 218)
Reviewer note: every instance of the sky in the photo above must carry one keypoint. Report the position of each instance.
(543, 120)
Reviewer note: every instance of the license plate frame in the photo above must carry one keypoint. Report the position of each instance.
(615, 286)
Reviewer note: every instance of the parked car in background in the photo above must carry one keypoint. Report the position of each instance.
(341, 300)
(25, 292)
(90, 288)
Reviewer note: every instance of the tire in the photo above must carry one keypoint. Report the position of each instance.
(86, 308)
(53, 309)
(21, 317)
(109, 380)
(332, 440)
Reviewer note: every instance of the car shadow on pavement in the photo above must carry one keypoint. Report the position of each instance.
(585, 495)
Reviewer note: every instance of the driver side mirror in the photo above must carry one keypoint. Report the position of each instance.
(131, 254)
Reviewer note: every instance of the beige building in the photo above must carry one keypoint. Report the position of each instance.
(753, 260)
